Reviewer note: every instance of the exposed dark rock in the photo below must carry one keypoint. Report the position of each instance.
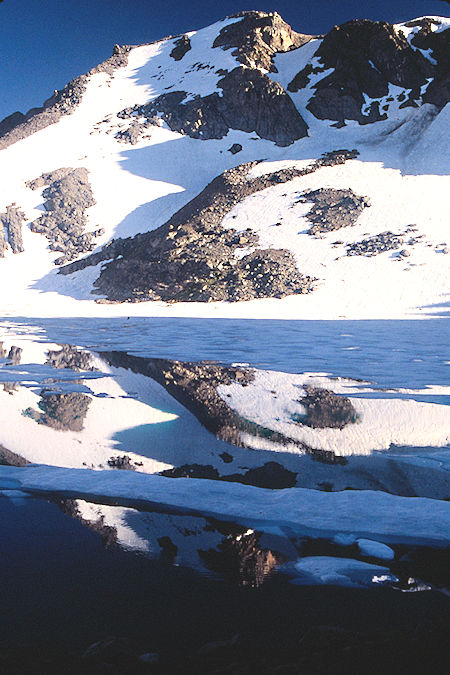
(10, 122)
(69, 357)
(182, 46)
(302, 79)
(240, 559)
(235, 148)
(12, 220)
(250, 102)
(258, 37)
(385, 241)
(365, 57)
(9, 458)
(122, 462)
(253, 102)
(63, 412)
(333, 209)
(325, 409)
(17, 126)
(226, 457)
(191, 257)
(52, 176)
(438, 91)
(137, 129)
(68, 197)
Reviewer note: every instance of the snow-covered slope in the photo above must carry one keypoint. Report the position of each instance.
(146, 159)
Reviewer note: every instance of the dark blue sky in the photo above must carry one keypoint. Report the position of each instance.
(45, 43)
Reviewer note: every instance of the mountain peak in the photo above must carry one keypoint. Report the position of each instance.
(257, 37)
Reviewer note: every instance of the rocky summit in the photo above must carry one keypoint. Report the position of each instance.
(218, 165)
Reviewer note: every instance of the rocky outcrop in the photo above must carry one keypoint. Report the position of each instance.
(257, 37)
(10, 122)
(365, 57)
(68, 197)
(250, 102)
(17, 126)
(193, 258)
(63, 412)
(12, 220)
(385, 241)
(9, 458)
(182, 46)
(333, 209)
(438, 91)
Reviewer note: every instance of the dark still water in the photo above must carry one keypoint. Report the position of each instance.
(63, 590)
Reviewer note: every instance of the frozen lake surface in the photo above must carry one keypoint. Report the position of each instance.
(388, 353)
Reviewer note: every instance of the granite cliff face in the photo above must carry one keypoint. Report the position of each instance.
(250, 101)
(257, 37)
(366, 58)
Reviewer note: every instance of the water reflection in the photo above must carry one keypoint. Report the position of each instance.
(79, 408)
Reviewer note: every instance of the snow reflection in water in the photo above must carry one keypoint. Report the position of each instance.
(69, 406)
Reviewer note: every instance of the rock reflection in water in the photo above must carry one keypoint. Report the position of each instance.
(70, 357)
(240, 559)
(14, 357)
(63, 412)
